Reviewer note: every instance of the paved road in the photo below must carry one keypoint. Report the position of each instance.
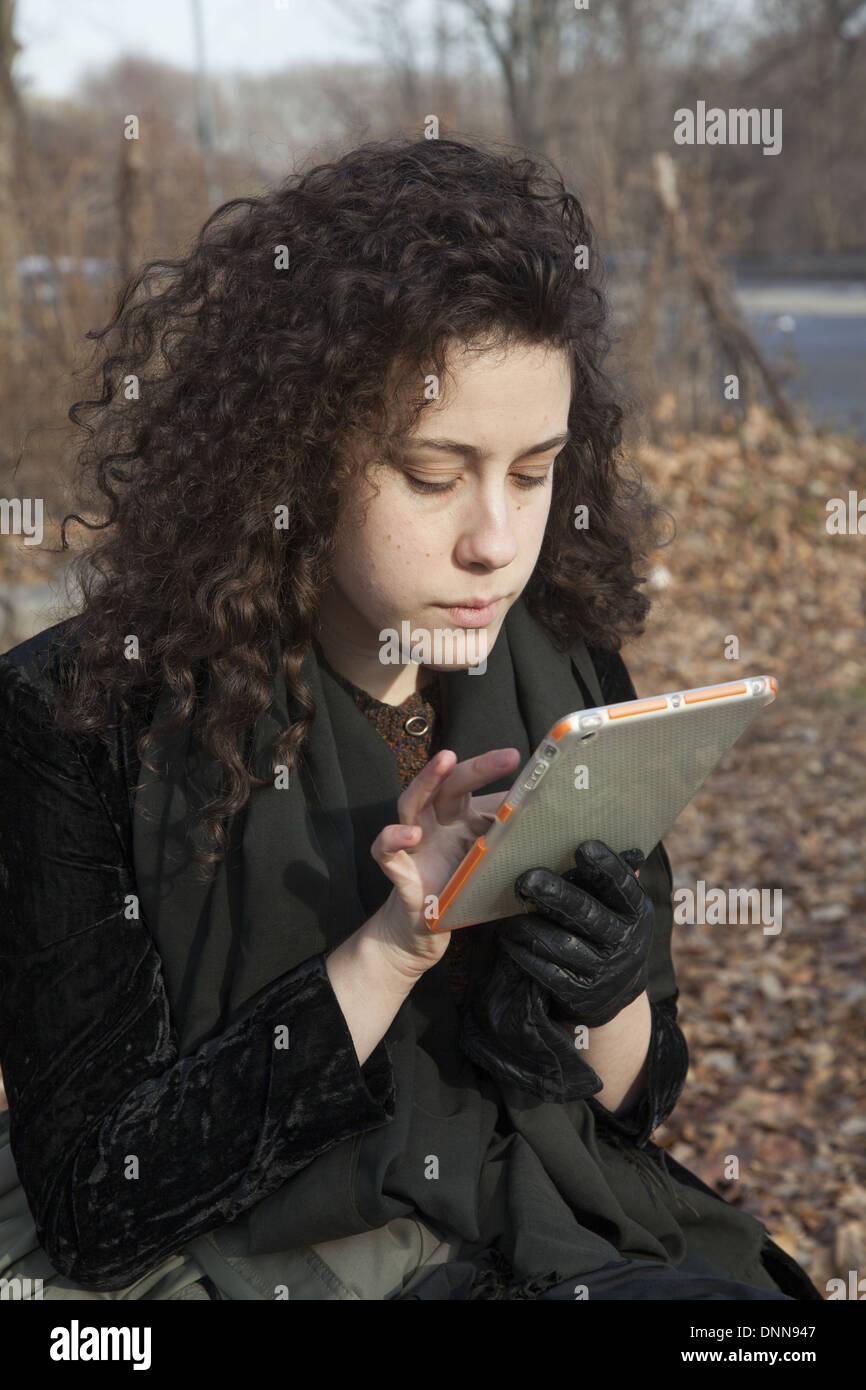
(819, 329)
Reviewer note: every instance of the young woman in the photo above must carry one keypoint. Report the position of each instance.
(238, 1063)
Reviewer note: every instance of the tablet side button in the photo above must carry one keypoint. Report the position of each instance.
(715, 692)
(636, 707)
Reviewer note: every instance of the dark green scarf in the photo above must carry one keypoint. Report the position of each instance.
(536, 1177)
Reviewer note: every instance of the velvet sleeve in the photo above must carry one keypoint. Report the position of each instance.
(126, 1151)
(668, 1053)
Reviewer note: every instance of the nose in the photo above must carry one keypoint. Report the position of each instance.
(486, 529)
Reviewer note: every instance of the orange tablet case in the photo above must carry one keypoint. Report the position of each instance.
(618, 773)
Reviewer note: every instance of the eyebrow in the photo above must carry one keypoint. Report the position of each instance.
(454, 446)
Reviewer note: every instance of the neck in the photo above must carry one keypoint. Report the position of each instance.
(388, 683)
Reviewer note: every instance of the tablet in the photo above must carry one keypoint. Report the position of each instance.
(619, 773)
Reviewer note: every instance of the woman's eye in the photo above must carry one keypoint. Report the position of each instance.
(524, 480)
(417, 484)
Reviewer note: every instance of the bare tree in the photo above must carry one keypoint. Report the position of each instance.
(524, 40)
(383, 24)
(10, 113)
(725, 318)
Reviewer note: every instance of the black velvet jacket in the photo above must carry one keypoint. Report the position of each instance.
(88, 1050)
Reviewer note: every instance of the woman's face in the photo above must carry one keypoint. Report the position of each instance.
(487, 447)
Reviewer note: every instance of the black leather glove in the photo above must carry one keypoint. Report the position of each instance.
(507, 1030)
(510, 1026)
(586, 935)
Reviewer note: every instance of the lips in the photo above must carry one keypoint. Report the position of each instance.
(473, 602)
(474, 614)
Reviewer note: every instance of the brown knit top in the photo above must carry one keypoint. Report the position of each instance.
(412, 731)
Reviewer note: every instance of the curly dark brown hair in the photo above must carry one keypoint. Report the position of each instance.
(233, 377)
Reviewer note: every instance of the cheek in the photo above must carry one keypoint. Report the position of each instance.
(529, 520)
(397, 537)
(383, 551)
(542, 519)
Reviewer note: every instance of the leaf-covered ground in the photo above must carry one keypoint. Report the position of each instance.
(776, 1024)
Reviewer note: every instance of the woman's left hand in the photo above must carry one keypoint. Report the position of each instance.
(585, 936)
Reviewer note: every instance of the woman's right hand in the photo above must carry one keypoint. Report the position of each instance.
(440, 820)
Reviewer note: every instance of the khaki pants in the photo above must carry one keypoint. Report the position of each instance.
(378, 1264)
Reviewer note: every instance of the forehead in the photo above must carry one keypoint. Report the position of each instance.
(525, 388)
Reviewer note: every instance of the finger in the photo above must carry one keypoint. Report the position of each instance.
(568, 905)
(561, 983)
(452, 798)
(489, 804)
(531, 938)
(633, 857)
(530, 881)
(395, 840)
(604, 874)
(413, 799)
(392, 851)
